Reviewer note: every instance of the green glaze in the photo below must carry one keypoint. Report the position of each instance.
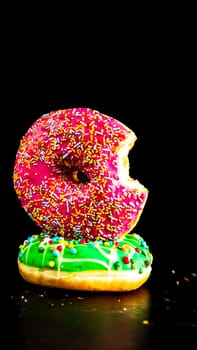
(128, 253)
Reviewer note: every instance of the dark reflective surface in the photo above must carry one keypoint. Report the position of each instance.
(159, 315)
(158, 105)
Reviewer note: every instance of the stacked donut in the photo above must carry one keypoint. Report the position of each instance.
(71, 175)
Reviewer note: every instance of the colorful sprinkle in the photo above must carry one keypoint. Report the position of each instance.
(73, 251)
(59, 151)
(85, 256)
(126, 260)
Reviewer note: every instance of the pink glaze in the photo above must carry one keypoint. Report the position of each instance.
(69, 141)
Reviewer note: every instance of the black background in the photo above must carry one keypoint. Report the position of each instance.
(139, 68)
(152, 91)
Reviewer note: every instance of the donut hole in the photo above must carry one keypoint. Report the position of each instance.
(72, 173)
(80, 176)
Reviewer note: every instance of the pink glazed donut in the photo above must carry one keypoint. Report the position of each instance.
(71, 175)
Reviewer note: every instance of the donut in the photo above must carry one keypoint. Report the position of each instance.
(122, 264)
(71, 175)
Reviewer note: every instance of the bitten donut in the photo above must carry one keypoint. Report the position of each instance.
(71, 175)
(123, 264)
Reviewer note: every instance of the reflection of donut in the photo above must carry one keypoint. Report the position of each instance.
(71, 175)
(120, 265)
